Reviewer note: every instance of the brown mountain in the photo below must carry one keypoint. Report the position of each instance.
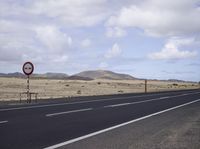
(85, 75)
(15, 74)
(104, 74)
(74, 77)
(51, 75)
(48, 75)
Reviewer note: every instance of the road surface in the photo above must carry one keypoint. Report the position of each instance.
(67, 123)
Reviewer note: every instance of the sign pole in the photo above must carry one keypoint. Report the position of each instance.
(28, 89)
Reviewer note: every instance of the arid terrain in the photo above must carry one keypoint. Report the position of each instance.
(10, 88)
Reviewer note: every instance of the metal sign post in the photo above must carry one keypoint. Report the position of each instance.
(28, 90)
(28, 68)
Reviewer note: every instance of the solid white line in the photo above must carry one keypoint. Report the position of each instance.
(1, 122)
(117, 126)
(78, 102)
(67, 112)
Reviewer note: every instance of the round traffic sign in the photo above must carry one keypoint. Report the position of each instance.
(28, 68)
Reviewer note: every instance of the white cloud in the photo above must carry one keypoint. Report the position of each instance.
(103, 65)
(71, 12)
(9, 26)
(52, 37)
(115, 32)
(21, 42)
(37, 30)
(69, 40)
(86, 43)
(115, 51)
(171, 50)
(160, 18)
(14, 41)
(60, 59)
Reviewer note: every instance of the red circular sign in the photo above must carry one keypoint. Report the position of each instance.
(28, 68)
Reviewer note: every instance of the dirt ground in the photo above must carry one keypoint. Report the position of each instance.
(10, 88)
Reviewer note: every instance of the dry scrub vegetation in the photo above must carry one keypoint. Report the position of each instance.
(11, 87)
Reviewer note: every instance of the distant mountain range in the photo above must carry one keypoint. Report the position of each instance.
(15, 74)
(85, 75)
(51, 75)
(46, 75)
(104, 74)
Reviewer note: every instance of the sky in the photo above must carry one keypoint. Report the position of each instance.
(153, 39)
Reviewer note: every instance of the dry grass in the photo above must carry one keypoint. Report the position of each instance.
(11, 87)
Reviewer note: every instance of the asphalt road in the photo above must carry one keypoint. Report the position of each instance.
(44, 125)
(175, 129)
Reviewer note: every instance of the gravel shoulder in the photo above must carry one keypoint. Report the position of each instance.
(177, 129)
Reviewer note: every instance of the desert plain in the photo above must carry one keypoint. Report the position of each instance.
(10, 88)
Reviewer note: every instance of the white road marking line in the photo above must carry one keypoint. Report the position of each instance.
(131, 103)
(112, 106)
(98, 100)
(143, 101)
(117, 126)
(67, 112)
(1, 122)
(185, 94)
(165, 97)
(117, 105)
(79, 102)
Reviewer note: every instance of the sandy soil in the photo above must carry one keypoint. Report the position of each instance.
(11, 87)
